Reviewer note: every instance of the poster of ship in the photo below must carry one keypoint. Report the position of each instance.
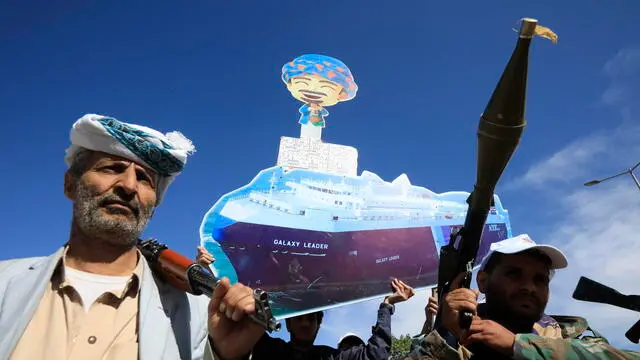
(314, 233)
(316, 240)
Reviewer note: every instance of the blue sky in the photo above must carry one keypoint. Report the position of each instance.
(425, 71)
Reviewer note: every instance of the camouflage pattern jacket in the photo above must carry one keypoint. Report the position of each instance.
(554, 337)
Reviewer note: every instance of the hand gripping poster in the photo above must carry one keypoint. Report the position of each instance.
(314, 233)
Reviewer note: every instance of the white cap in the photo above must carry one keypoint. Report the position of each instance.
(521, 243)
(348, 335)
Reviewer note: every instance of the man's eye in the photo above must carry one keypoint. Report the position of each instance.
(512, 273)
(142, 176)
(542, 279)
(110, 169)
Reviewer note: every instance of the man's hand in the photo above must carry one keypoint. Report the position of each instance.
(458, 299)
(491, 334)
(232, 333)
(432, 307)
(203, 257)
(430, 311)
(401, 292)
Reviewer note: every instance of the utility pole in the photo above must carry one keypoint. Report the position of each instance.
(628, 171)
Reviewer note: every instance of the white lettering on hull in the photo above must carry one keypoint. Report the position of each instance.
(316, 246)
(307, 245)
(387, 258)
(286, 243)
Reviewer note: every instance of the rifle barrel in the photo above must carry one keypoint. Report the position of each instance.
(592, 291)
(191, 277)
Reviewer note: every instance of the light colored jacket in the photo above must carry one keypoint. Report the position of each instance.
(172, 325)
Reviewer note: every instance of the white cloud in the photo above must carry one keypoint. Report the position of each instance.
(606, 150)
(357, 319)
(564, 166)
(626, 62)
(623, 73)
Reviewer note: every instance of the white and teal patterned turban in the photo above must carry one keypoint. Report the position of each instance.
(166, 154)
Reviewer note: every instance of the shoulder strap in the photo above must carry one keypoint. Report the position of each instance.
(596, 338)
(574, 327)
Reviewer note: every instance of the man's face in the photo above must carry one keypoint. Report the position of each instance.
(304, 328)
(113, 199)
(518, 287)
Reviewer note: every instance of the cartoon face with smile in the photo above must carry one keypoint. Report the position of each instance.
(314, 89)
(318, 81)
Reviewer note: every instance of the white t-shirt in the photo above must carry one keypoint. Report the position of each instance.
(90, 286)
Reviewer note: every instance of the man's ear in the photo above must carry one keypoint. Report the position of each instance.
(69, 185)
(481, 280)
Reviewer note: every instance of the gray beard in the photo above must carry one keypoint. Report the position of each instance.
(89, 218)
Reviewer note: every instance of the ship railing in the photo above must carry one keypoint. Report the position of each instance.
(391, 218)
(277, 205)
(413, 218)
(238, 197)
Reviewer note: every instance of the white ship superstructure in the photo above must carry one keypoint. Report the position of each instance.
(363, 203)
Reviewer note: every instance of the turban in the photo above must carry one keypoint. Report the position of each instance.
(324, 66)
(166, 154)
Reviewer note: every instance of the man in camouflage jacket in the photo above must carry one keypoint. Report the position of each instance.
(514, 277)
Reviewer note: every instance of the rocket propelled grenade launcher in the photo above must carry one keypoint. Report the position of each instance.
(191, 277)
(499, 132)
(593, 291)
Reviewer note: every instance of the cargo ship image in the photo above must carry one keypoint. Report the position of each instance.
(318, 239)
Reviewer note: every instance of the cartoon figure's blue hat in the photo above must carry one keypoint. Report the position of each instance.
(325, 66)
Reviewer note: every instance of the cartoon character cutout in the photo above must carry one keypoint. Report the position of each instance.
(318, 81)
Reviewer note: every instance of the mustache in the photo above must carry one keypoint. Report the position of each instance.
(111, 198)
(526, 296)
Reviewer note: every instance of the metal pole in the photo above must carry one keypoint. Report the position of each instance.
(635, 179)
(629, 171)
(596, 182)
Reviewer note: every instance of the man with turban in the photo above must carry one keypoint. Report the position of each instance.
(96, 297)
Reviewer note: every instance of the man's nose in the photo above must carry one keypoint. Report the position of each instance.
(528, 286)
(307, 321)
(128, 181)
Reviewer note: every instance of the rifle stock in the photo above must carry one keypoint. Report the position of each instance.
(499, 132)
(593, 291)
(189, 276)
